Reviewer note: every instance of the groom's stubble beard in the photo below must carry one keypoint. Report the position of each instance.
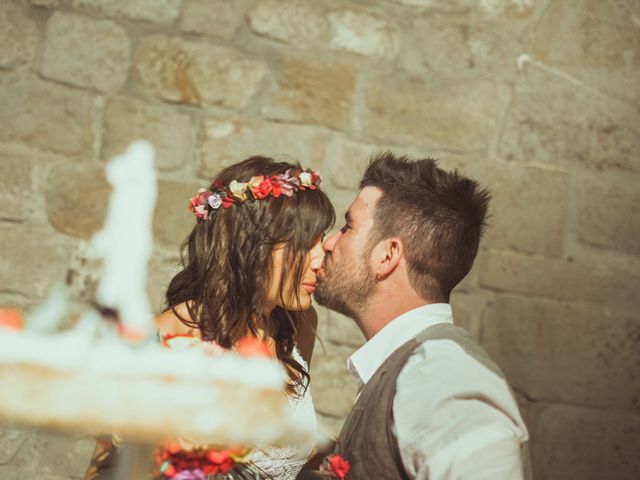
(346, 287)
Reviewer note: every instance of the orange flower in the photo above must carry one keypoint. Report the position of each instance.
(250, 346)
(11, 319)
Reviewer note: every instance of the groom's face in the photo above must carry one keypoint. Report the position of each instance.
(346, 281)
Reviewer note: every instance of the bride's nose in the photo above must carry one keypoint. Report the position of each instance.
(317, 255)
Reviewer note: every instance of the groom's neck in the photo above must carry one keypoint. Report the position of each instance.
(387, 304)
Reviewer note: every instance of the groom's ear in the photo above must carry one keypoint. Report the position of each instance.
(386, 257)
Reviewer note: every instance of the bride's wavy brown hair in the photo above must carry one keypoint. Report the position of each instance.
(227, 263)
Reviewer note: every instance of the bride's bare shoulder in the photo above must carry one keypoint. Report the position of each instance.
(169, 321)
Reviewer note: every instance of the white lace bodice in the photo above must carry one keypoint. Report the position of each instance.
(284, 463)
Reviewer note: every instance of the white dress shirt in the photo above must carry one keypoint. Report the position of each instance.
(453, 417)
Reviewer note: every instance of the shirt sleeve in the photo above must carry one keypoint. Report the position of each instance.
(455, 419)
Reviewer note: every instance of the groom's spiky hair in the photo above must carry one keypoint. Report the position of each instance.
(439, 215)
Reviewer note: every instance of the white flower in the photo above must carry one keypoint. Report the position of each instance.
(238, 190)
(305, 179)
(214, 201)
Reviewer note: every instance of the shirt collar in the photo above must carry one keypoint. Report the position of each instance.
(368, 358)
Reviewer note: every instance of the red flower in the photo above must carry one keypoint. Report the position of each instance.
(315, 181)
(263, 189)
(202, 197)
(220, 461)
(276, 187)
(227, 201)
(170, 471)
(339, 466)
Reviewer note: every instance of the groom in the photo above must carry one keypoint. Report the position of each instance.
(431, 403)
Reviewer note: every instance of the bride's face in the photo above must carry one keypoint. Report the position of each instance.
(296, 293)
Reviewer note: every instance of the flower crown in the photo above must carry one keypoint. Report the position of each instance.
(258, 187)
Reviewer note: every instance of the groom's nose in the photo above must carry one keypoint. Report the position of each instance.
(331, 242)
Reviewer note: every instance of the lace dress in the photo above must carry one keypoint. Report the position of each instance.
(286, 462)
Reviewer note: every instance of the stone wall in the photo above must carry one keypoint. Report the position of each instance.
(538, 99)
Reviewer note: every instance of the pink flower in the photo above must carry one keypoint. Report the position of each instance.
(200, 211)
(196, 474)
(202, 196)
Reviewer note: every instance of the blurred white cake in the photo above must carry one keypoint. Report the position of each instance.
(145, 393)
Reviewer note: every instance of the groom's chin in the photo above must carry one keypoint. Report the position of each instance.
(321, 295)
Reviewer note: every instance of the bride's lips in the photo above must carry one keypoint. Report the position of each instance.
(309, 287)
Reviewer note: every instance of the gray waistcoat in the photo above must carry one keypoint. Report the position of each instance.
(367, 441)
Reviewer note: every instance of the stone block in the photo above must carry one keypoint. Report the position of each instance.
(313, 91)
(77, 199)
(554, 121)
(608, 212)
(44, 115)
(508, 9)
(316, 25)
(9, 472)
(298, 22)
(86, 52)
(574, 443)
(157, 11)
(344, 331)
(346, 161)
(170, 131)
(54, 456)
(363, 33)
(216, 18)
(329, 427)
(467, 310)
(16, 189)
(565, 38)
(419, 110)
(197, 72)
(11, 440)
(163, 265)
(26, 266)
(528, 212)
(322, 332)
(18, 37)
(462, 45)
(83, 275)
(45, 3)
(223, 142)
(333, 388)
(172, 221)
(571, 353)
(584, 279)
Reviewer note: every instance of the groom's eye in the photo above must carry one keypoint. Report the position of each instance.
(345, 228)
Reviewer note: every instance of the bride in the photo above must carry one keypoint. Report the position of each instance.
(249, 269)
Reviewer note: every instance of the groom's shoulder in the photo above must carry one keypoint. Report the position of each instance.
(452, 355)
